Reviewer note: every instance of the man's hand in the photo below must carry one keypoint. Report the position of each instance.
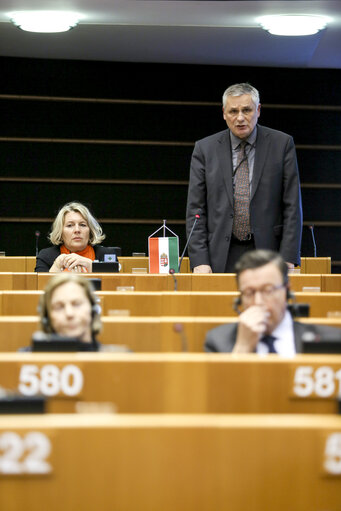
(291, 266)
(202, 268)
(252, 325)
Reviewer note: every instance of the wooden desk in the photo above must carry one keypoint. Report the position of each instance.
(30, 281)
(18, 281)
(141, 334)
(140, 282)
(27, 263)
(177, 383)
(202, 303)
(183, 463)
(23, 303)
(331, 283)
(13, 263)
(315, 265)
(127, 264)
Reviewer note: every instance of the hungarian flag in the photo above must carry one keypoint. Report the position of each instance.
(163, 255)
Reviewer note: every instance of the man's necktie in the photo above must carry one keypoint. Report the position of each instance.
(269, 341)
(241, 221)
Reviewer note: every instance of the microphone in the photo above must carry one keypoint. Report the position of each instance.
(37, 234)
(172, 271)
(311, 227)
(179, 329)
(197, 216)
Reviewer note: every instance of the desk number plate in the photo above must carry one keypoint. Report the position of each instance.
(27, 453)
(316, 382)
(50, 380)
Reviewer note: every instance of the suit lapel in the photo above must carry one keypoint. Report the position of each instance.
(230, 341)
(224, 157)
(262, 150)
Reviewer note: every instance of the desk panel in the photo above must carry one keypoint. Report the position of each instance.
(316, 265)
(13, 263)
(182, 303)
(177, 383)
(163, 282)
(140, 282)
(139, 334)
(185, 463)
(331, 283)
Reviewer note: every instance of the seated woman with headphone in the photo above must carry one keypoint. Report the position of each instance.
(75, 236)
(69, 309)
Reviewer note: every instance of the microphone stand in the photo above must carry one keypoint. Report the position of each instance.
(37, 234)
(172, 271)
(311, 227)
(189, 237)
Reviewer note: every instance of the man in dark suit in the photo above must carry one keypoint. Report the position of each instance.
(264, 324)
(234, 217)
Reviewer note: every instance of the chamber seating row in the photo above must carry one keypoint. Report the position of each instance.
(177, 382)
(139, 334)
(187, 463)
(150, 303)
(128, 264)
(163, 282)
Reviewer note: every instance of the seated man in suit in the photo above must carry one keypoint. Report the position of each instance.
(265, 324)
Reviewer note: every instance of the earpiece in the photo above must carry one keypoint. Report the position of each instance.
(96, 310)
(290, 295)
(44, 318)
(236, 303)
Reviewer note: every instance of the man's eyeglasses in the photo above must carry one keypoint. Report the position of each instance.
(266, 292)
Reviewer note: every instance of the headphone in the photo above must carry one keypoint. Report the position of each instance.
(238, 301)
(236, 304)
(44, 314)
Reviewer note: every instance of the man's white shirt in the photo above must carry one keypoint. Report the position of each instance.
(284, 343)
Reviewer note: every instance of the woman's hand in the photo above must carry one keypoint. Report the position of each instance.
(71, 262)
(76, 263)
(58, 264)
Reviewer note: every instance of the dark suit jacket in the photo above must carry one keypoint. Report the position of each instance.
(46, 257)
(222, 338)
(275, 202)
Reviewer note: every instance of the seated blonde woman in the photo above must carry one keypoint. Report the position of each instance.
(75, 236)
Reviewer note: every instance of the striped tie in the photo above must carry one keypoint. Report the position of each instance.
(241, 222)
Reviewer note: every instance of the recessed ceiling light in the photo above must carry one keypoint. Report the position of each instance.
(45, 21)
(293, 24)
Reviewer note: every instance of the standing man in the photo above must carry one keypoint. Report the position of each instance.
(244, 183)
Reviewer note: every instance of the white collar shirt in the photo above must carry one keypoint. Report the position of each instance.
(284, 343)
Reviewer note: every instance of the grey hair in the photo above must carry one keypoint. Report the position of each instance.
(238, 89)
(96, 233)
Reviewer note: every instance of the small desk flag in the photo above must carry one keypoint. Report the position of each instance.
(163, 252)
